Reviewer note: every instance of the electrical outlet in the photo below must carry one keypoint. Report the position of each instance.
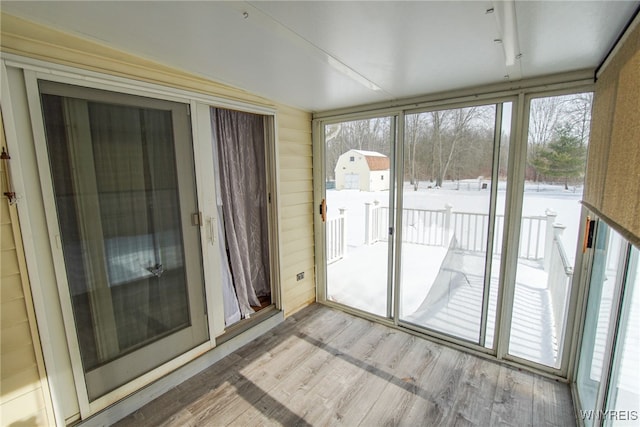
(300, 276)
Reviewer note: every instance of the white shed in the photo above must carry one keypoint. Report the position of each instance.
(362, 170)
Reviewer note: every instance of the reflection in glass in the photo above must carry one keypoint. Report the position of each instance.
(609, 250)
(624, 394)
(116, 192)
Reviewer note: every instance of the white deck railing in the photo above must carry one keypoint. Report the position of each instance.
(559, 275)
(540, 239)
(432, 228)
(336, 237)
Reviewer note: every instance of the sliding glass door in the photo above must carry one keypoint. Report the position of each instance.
(473, 240)
(357, 213)
(452, 213)
(122, 171)
(609, 257)
(623, 398)
(446, 239)
(558, 133)
(608, 369)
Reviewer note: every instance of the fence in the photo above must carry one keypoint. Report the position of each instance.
(560, 273)
(540, 239)
(434, 228)
(539, 235)
(336, 237)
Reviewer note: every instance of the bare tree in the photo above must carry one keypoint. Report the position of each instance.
(544, 115)
(578, 115)
(450, 127)
(414, 132)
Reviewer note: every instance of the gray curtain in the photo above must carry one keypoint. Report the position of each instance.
(241, 150)
(231, 307)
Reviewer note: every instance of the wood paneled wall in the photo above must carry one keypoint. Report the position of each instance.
(612, 183)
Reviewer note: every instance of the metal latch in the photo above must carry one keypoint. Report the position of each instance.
(196, 219)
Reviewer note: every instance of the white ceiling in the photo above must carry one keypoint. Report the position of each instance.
(326, 55)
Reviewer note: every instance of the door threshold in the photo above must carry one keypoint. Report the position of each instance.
(247, 323)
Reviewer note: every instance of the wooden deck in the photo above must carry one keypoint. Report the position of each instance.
(325, 367)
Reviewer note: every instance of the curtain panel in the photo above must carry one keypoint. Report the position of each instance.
(241, 149)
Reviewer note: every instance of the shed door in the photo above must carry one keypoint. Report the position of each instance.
(352, 181)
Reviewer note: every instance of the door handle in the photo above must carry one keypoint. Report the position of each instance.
(212, 230)
(323, 210)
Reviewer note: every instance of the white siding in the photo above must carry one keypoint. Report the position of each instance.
(379, 180)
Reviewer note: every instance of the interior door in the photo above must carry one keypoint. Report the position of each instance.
(122, 170)
(358, 218)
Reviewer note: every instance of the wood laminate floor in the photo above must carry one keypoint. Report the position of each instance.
(325, 367)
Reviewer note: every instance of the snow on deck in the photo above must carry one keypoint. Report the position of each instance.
(360, 279)
(452, 305)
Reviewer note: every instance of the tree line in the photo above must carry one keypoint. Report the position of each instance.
(457, 144)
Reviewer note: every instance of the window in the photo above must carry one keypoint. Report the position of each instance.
(451, 230)
(356, 248)
(471, 236)
(558, 133)
(609, 253)
(624, 396)
(608, 370)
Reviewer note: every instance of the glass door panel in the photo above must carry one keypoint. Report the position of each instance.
(609, 254)
(556, 155)
(623, 402)
(358, 197)
(123, 177)
(451, 187)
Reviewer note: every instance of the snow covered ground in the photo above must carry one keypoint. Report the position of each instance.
(444, 292)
